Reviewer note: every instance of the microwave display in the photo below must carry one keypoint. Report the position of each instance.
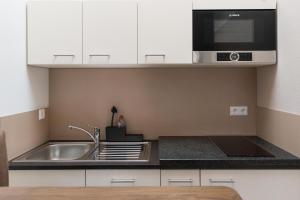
(234, 31)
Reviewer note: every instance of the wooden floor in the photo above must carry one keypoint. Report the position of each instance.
(140, 193)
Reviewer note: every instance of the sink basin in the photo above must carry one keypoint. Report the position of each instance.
(123, 152)
(87, 152)
(58, 151)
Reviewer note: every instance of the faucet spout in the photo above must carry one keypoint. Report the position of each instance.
(85, 131)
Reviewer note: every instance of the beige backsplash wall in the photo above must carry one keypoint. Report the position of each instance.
(23, 132)
(155, 102)
(279, 128)
(278, 87)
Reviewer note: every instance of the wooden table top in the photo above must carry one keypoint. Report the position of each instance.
(112, 193)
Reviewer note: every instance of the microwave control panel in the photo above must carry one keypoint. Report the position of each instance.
(234, 56)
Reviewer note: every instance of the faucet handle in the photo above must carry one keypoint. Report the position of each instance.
(97, 134)
(97, 130)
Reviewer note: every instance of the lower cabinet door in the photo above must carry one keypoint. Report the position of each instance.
(47, 178)
(120, 178)
(180, 177)
(256, 184)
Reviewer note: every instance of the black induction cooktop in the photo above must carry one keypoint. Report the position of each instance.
(238, 146)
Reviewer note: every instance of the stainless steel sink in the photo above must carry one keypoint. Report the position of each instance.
(58, 151)
(123, 152)
(88, 152)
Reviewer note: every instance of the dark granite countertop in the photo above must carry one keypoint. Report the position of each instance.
(201, 152)
(182, 153)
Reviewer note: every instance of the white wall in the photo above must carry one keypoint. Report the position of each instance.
(22, 88)
(279, 87)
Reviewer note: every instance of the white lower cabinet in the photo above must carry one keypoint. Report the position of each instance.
(180, 177)
(256, 184)
(47, 178)
(250, 184)
(120, 178)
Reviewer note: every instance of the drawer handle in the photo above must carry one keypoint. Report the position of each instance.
(221, 181)
(189, 180)
(123, 180)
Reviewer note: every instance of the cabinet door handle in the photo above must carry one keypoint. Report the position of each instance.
(123, 180)
(163, 55)
(189, 180)
(70, 55)
(106, 55)
(105, 58)
(147, 57)
(221, 181)
(156, 55)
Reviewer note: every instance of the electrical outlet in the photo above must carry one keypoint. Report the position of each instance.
(42, 114)
(238, 110)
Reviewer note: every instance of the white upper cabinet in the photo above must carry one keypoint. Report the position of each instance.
(96, 32)
(233, 4)
(164, 31)
(110, 32)
(54, 32)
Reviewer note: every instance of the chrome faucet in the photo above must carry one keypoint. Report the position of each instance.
(95, 136)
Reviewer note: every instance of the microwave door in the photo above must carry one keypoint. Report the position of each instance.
(234, 30)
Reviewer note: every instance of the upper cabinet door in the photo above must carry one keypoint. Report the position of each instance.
(110, 32)
(165, 31)
(54, 32)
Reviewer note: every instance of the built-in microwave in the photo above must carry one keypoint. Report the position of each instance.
(234, 37)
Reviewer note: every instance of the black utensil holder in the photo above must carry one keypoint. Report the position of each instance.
(116, 134)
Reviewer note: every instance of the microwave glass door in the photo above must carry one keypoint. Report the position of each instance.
(219, 30)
